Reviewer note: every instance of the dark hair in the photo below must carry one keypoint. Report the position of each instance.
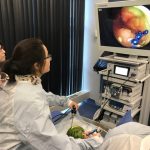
(26, 53)
(1, 43)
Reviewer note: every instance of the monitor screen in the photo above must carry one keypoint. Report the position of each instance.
(126, 27)
(121, 70)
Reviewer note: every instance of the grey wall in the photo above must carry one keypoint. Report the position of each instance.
(91, 80)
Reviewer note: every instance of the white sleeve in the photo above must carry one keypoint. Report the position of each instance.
(34, 126)
(126, 136)
(130, 128)
(122, 142)
(56, 99)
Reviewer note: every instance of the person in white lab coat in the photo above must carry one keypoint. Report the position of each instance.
(128, 136)
(25, 121)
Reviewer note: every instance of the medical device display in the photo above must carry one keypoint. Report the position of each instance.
(130, 71)
(120, 70)
(124, 27)
(131, 26)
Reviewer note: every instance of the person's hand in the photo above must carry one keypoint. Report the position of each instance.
(87, 135)
(95, 135)
(72, 104)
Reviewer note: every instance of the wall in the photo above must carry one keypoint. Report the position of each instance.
(91, 80)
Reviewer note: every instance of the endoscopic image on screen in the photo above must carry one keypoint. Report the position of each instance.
(127, 27)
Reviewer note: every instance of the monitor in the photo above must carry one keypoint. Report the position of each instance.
(121, 70)
(124, 27)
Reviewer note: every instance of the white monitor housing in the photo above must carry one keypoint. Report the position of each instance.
(106, 41)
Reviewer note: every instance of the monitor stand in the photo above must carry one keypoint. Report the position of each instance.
(134, 57)
(131, 58)
(126, 57)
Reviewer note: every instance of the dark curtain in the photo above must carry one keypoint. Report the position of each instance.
(60, 25)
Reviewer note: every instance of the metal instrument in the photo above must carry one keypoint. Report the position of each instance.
(73, 113)
(98, 130)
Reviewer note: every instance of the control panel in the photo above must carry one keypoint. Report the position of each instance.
(125, 71)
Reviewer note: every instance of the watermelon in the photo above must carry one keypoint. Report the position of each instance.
(76, 132)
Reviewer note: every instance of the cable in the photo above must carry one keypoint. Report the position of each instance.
(102, 108)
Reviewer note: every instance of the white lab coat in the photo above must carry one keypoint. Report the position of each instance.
(129, 136)
(24, 117)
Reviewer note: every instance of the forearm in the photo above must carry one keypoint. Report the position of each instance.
(56, 99)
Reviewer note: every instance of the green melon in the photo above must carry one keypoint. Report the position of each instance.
(76, 132)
